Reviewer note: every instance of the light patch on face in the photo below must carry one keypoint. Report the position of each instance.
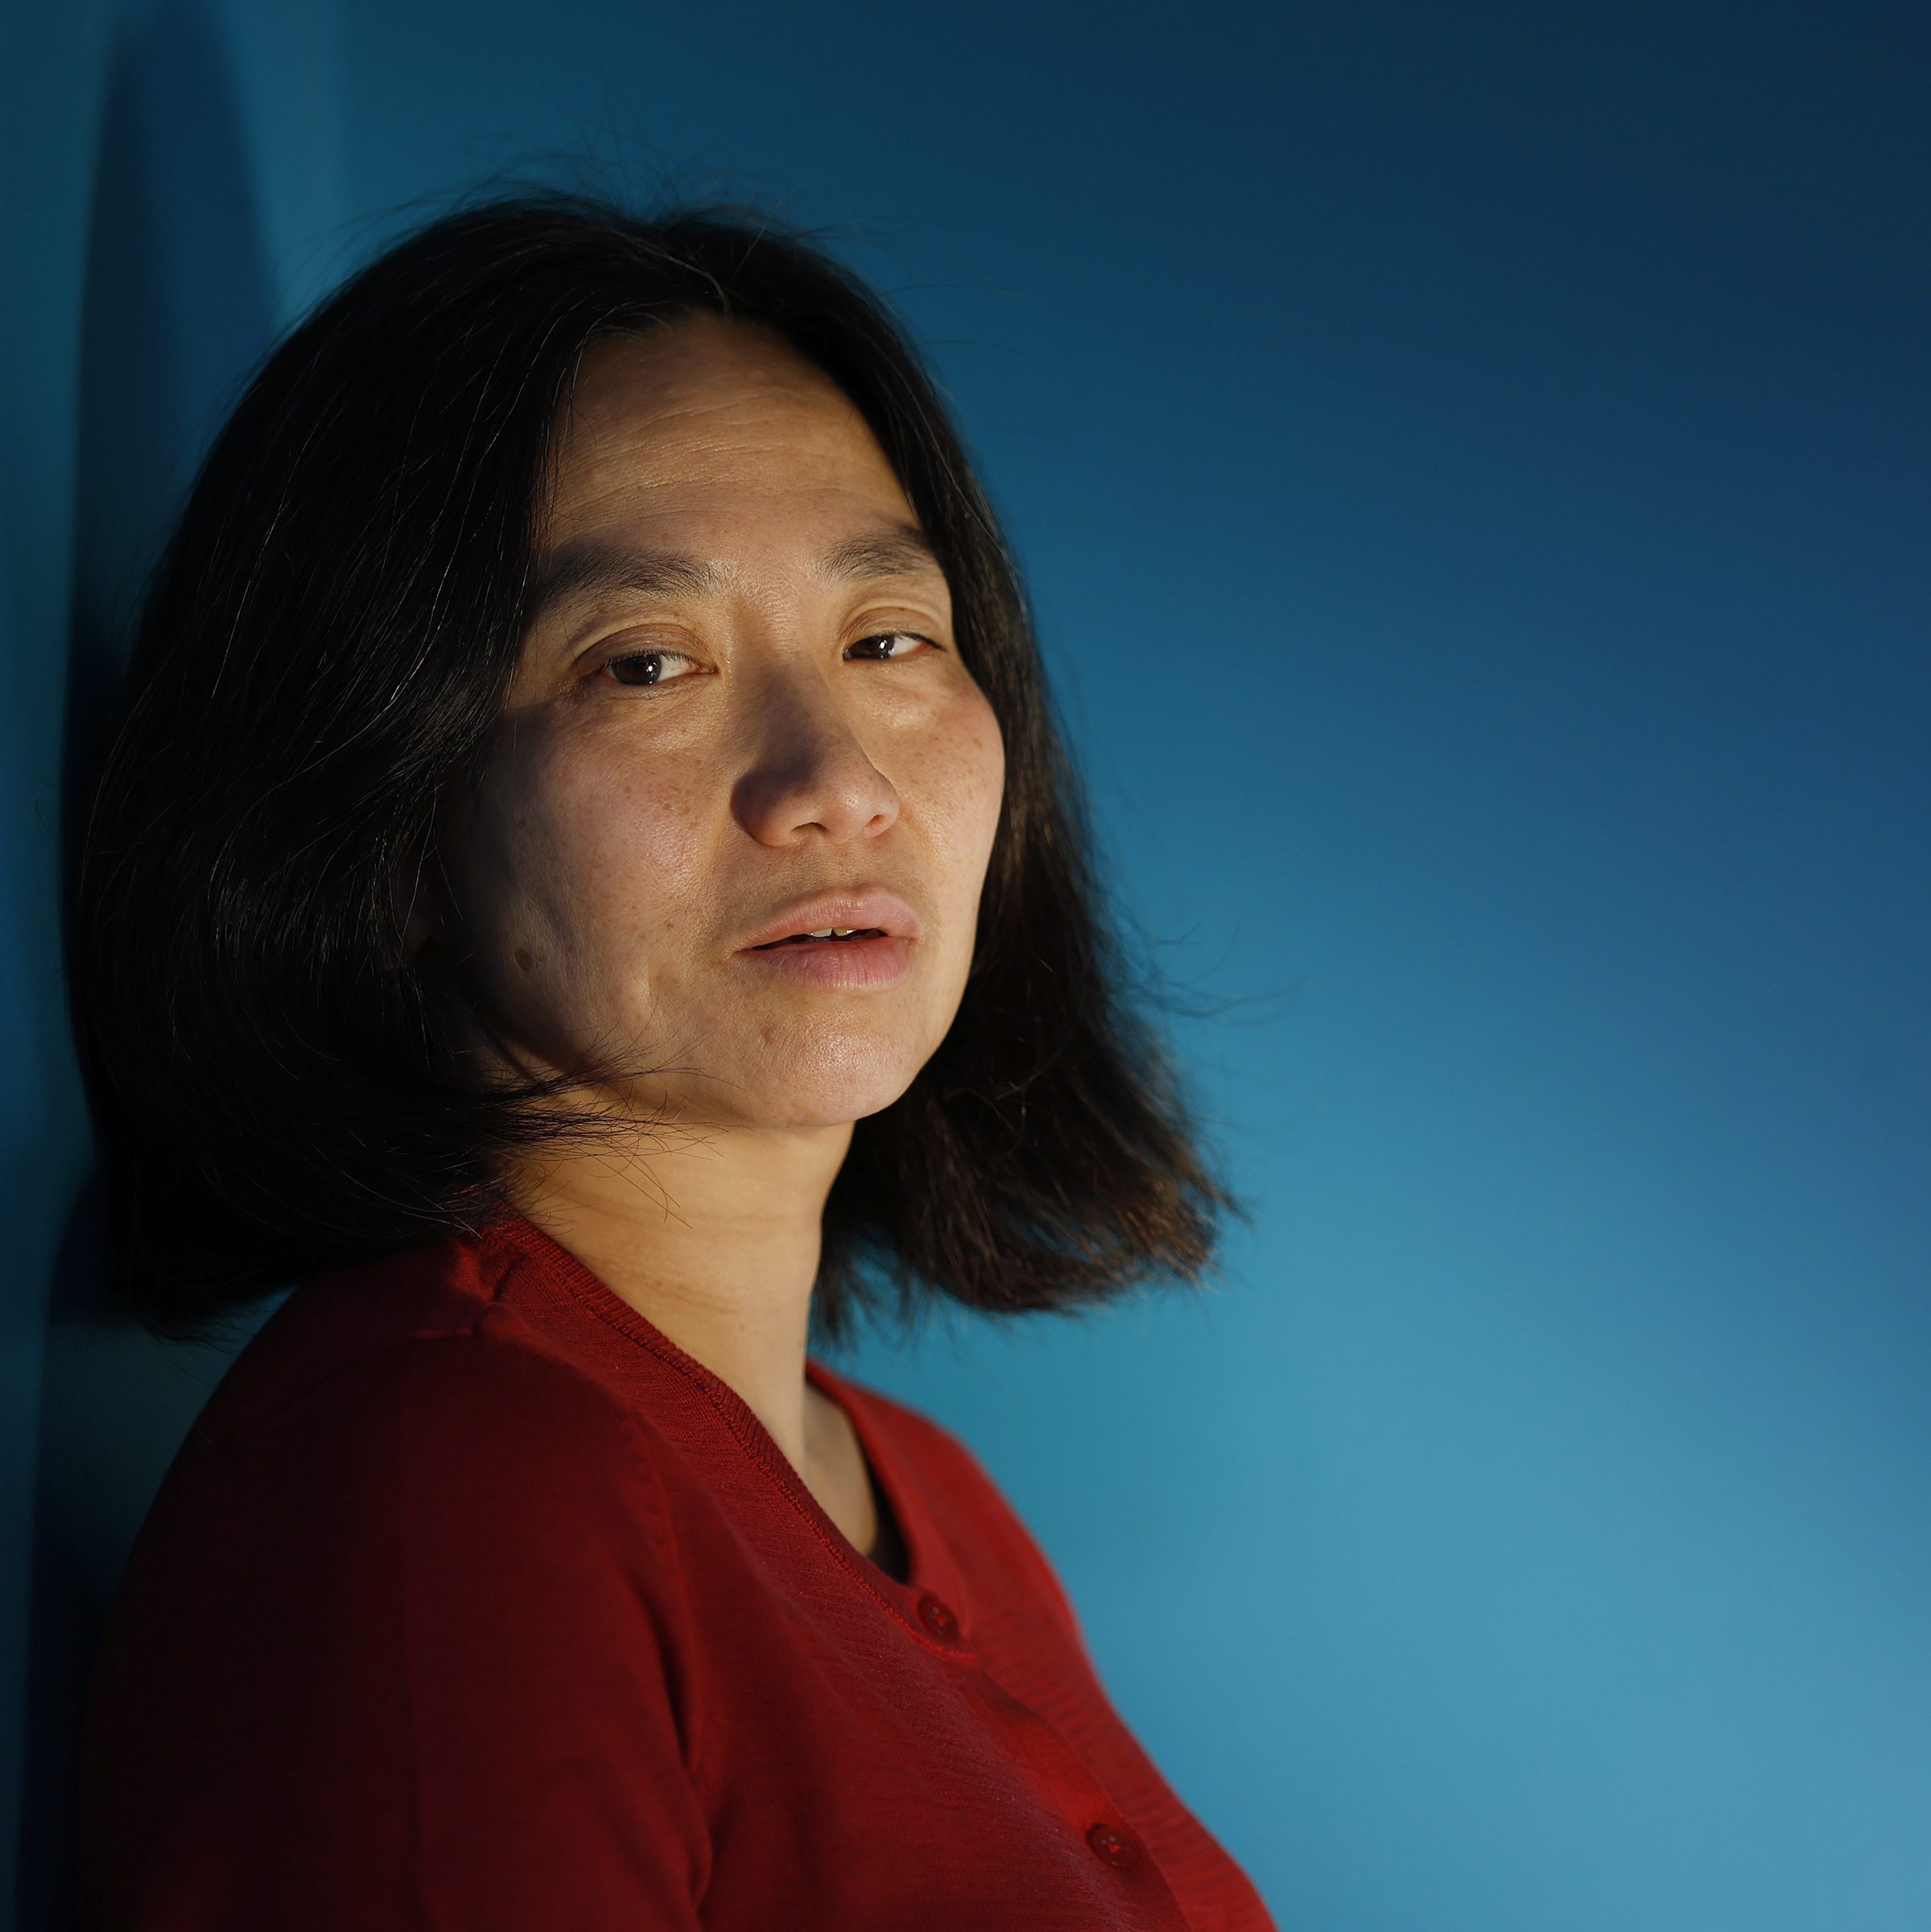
(745, 693)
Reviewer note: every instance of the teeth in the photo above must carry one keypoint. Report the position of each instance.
(829, 932)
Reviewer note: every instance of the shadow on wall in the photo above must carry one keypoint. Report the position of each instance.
(178, 305)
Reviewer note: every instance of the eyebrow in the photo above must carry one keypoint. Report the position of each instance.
(586, 568)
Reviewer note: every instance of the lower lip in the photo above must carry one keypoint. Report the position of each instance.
(852, 964)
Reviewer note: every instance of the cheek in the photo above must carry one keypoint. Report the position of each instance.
(963, 780)
(625, 844)
(574, 868)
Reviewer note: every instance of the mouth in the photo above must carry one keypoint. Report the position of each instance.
(844, 941)
(831, 935)
(836, 919)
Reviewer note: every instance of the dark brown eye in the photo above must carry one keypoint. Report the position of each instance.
(650, 667)
(889, 646)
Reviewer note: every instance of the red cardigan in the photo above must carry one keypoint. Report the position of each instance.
(472, 1602)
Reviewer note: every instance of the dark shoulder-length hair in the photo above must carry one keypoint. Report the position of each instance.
(322, 655)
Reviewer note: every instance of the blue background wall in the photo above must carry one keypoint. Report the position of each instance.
(1470, 463)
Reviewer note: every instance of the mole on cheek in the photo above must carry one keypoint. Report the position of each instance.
(525, 960)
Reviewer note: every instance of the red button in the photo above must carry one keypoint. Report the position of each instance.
(939, 1620)
(1111, 1845)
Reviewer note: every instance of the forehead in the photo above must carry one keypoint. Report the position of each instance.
(706, 417)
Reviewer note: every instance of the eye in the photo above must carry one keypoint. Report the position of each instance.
(889, 646)
(650, 667)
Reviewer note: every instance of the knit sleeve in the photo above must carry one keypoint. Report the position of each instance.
(408, 1659)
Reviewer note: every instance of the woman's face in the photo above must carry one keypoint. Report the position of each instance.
(740, 716)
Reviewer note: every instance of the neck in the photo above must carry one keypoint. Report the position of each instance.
(715, 1241)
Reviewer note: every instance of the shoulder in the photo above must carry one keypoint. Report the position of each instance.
(432, 1324)
(410, 1558)
(409, 1390)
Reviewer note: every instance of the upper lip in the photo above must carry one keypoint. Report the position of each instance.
(858, 910)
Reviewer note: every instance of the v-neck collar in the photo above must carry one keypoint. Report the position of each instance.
(560, 1267)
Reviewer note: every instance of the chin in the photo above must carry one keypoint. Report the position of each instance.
(813, 1079)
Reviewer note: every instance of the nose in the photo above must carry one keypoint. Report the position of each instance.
(811, 773)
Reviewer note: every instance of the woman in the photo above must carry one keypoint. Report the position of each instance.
(585, 881)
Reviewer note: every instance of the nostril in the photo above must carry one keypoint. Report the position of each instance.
(833, 790)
